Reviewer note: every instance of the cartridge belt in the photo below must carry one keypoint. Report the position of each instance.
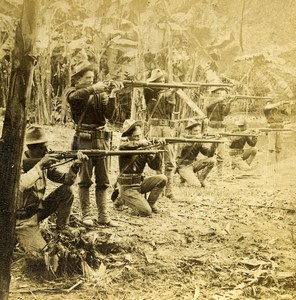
(275, 125)
(93, 133)
(130, 179)
(234, 152)
(216, 124)
(162, 122)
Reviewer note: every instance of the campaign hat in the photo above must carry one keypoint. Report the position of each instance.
(128, 125)
(192, 123)
(35, 135)
(156, 74)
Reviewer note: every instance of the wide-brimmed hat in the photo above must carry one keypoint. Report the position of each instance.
(219, 88)
(156, 74)
(35, 135)
(82, 67)
(241, 122)
(128, 125)
(192, 123)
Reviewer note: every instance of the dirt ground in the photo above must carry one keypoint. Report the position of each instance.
(234, 239)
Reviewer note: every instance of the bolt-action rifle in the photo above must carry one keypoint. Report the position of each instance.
(237, 134)
(29, 163)
(179, 85)
(192, 140)
(274, 129)
(249, 97)
(230, 98)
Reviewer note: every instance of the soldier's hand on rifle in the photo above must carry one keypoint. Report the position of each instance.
(81, 157)
(128, 76)
(159, 141)
(46, 161)
(117, 86)
(100, 86)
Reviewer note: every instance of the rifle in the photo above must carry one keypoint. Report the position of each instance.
(191, 140)
(29, 163)
(237, 134)
(248, 97)
(179, 85)
(274, 129)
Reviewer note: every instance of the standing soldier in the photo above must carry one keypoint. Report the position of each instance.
(160, 106)
(216, 110)
(91, 107)
(274, 113)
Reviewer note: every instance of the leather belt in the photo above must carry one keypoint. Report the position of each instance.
(216, 124)
(234, 152)
(162, 122)
(130, 179)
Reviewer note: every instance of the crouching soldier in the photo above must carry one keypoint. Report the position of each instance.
(132, 185)
(191, 169)
(32, 206)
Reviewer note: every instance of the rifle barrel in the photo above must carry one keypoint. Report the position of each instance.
(274, 129)
(249, 97)
(237, 134)
(184, 140)
(170, 85)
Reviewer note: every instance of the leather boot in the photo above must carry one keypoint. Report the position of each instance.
(85, 206)
(169, 193)
(103, 216)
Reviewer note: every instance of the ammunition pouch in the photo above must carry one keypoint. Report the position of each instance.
(216, 124)
(275, 125)
(93, 134)
(235, 152)
(130, 179)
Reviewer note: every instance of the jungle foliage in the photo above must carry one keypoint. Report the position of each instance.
(208, 40)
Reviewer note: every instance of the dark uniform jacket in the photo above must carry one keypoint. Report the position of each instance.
(160, 103)
(96, 113)
(131, 164)
(239, 142)
(190, 151)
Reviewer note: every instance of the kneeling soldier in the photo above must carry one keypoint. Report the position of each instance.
(132, 185)
(242, 158)
(188, 164)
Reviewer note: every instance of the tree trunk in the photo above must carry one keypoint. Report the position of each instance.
(13, 135)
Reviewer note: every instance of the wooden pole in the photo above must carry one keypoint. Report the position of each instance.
(23, 61)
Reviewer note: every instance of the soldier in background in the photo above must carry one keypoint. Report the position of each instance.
(192, 169)
(274, 113)
(160, 107)
(216, 110)
(242, 158)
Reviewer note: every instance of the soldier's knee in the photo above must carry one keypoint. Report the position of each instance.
(162, 180)
(254, 150)
(146, 212)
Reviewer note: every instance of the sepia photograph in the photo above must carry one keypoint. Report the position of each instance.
(147, 149)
